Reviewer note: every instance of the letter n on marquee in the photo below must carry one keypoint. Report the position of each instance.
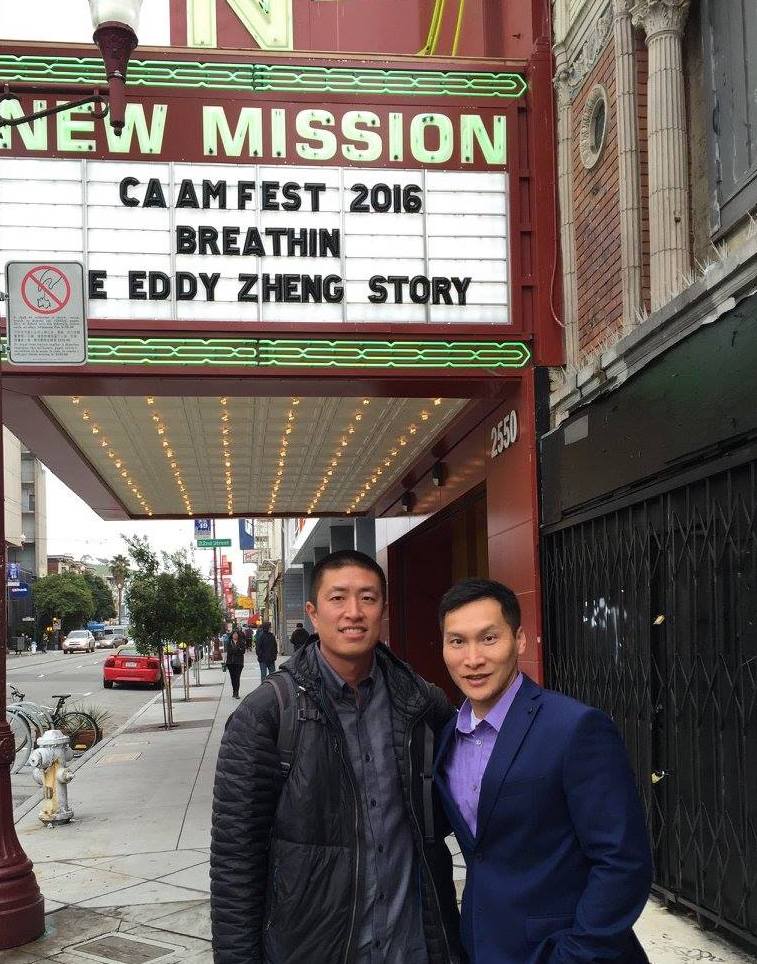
(269, 22)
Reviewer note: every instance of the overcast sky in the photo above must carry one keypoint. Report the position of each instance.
(73, 528)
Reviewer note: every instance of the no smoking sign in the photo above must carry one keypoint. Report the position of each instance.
(46, 317)
(46, 289)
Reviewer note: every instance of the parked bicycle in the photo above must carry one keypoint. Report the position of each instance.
(29, 720)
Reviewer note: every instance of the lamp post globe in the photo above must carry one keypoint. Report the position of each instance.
(115, 23)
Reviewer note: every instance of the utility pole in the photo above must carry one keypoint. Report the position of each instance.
(215, 560)
(216, 650)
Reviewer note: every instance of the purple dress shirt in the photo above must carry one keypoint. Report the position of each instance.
(468, 755)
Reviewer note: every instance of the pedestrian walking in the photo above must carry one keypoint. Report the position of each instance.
(235, 661)
(542, 800)
(266, 650)
(247, 636)
(326, 843)
(299, 637)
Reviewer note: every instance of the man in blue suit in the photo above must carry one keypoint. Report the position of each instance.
(541, 798)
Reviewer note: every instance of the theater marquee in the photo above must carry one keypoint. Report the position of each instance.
(271, 194)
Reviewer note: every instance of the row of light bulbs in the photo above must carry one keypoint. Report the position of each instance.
(283, 450)
(118, 463)
(226, 453)
(170, 454)
(343, 444)
(372, 479)
(392, 453)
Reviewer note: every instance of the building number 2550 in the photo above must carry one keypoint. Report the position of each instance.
(504, 434)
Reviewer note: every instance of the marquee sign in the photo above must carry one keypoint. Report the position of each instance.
(196, 131)
(264, 194)
(261, 244)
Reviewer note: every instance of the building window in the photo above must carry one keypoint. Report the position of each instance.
(730, 41)
(594, 126)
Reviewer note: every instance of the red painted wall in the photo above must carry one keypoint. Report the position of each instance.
(419, 563)
(513, 522)
(489, 28)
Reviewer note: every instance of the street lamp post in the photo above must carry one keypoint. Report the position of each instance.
(115, 23)
(22, 907)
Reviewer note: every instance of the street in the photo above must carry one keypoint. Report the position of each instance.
(40, 675)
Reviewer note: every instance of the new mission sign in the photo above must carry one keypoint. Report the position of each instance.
(361, 196)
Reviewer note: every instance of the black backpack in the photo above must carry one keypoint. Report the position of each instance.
(294, 707)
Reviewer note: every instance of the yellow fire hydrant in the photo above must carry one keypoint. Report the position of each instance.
(49, 769)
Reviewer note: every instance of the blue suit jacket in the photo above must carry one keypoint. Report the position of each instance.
(560, 867)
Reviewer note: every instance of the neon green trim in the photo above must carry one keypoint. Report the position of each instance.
(305, 353)
(267, 78)
(288, 353)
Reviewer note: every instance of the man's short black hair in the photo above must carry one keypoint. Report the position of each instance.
(340, 560)
(471, 590)
(300, 626)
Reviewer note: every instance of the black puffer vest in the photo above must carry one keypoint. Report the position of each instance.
(285, 859)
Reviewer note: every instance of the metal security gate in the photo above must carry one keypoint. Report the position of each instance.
(651, 615)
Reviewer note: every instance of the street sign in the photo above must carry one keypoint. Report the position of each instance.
(13, 575)
(47, 323)
(18, 592)
(202, 525)
(214, 543)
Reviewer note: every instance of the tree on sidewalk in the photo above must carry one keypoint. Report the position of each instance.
(168, 602)
(198, 610)
(101, 595)
(65, 596)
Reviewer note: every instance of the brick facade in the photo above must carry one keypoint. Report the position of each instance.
(597, 220)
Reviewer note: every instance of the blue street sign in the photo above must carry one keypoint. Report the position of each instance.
(202, 526)
(246, 534)
(14, 572)
(18, 592)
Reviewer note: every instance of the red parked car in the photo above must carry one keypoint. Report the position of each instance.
(126, 665)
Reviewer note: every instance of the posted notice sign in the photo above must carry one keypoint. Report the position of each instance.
(46, 318)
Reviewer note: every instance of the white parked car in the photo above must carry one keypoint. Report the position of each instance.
(79, 641)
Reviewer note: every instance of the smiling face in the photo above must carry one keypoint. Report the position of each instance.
(481, 652)
(347, 614)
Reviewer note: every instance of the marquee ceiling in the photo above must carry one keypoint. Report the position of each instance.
(169, 456)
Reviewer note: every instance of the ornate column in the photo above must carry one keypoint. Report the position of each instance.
(628, 162)
(565, 191)
(663, 21)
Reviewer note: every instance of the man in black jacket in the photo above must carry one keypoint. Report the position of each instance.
(299, 637)
(266, 650)
(343, 861)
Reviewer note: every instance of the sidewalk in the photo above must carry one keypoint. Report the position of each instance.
(128, 880)
(28, 660)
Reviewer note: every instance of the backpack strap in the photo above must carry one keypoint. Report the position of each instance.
(286, 696)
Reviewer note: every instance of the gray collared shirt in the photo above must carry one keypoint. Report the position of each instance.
(390, 927)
